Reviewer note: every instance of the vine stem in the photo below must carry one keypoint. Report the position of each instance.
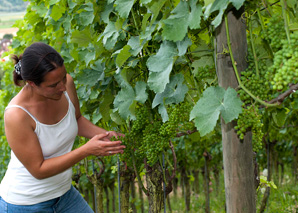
(285, 16)
(265, 31)
(236, 70)
(138, 175)
(253, 47)
(163, 169)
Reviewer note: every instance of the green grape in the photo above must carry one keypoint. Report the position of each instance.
(250, 120)
(284, 68)
(206, 72)
(275, 32)
(256, 84)
(149, 136)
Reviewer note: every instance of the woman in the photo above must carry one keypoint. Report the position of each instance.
(41, 123)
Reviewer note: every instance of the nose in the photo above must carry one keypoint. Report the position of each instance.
(62, 86)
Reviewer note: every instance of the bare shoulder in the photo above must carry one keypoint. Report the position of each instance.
(15, 117)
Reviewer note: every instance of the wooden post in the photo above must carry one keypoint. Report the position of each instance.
(237, 155)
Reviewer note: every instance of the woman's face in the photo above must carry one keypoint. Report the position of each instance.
(54, 84)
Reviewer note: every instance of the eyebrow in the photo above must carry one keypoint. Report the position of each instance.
(58, 81)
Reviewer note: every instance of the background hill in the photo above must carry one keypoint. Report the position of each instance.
(12, 5)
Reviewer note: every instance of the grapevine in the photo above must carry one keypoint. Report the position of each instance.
(250, 119)
(284, 69)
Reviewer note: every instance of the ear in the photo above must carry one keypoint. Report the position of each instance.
(31, 84)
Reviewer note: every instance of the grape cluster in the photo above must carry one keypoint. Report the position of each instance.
(150, 136)
(206, 72)
(275, 32)
(256, 84)
(250, 120)
(284, 69)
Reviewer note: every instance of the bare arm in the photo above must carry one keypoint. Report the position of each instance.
(24, 143)
(19, 129)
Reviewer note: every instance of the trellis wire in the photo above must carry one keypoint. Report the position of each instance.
(164, 184)
(119, 200)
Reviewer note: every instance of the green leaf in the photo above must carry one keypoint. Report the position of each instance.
(110, 36)
(57, 12)
(279, 116)
(160, 66)
(40, 9)
(105, 105)
(116, 118)
(106, 12)
(51, 2)
(124, 7)
(174, 93)
(231, 105)
(175, 27)
(215, 100)
(183, 45)
(201, 63)
(237, 3)
(140, 90)
(134, 43)
(87, 17)
(163, 59)
(123, 100)
(87, 55)
(195, 15)
(221, 6)
(123, 56)
(90, 77)
(82, 38)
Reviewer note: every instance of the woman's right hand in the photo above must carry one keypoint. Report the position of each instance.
(99, 146)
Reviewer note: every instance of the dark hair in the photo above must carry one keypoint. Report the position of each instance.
(37, 60)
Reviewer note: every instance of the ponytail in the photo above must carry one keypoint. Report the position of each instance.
(17, 72)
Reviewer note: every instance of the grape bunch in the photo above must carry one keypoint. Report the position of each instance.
(250, 120)
(256, 84)
(275, 32)
(206, 72)
(285, 64)
(149, 136)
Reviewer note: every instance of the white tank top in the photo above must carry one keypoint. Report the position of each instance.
(18, 186)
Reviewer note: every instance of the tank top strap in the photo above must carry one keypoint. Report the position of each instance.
(67, 97)
(20, 107)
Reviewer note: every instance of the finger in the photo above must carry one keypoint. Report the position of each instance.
(112, 144)
(102, 135)
(121, 135)
(115, 152)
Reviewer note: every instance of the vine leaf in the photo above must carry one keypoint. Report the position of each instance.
(123, 55)
(160, 66)
(82, 38)
(92, 76)
(215, 101)
(110, 36)
(173, 94)
(176, 25)
(221, 6)
(57, 12)
(141, 94)
(279, 116)
(125, 100)
(124, 7)
(134, 43)
(86, 16)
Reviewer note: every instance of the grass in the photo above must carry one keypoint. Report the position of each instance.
(8, 19)
(283, 199)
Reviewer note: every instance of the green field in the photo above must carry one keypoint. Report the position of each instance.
(8, 19)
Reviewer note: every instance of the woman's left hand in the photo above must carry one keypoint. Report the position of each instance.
(111, 134)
